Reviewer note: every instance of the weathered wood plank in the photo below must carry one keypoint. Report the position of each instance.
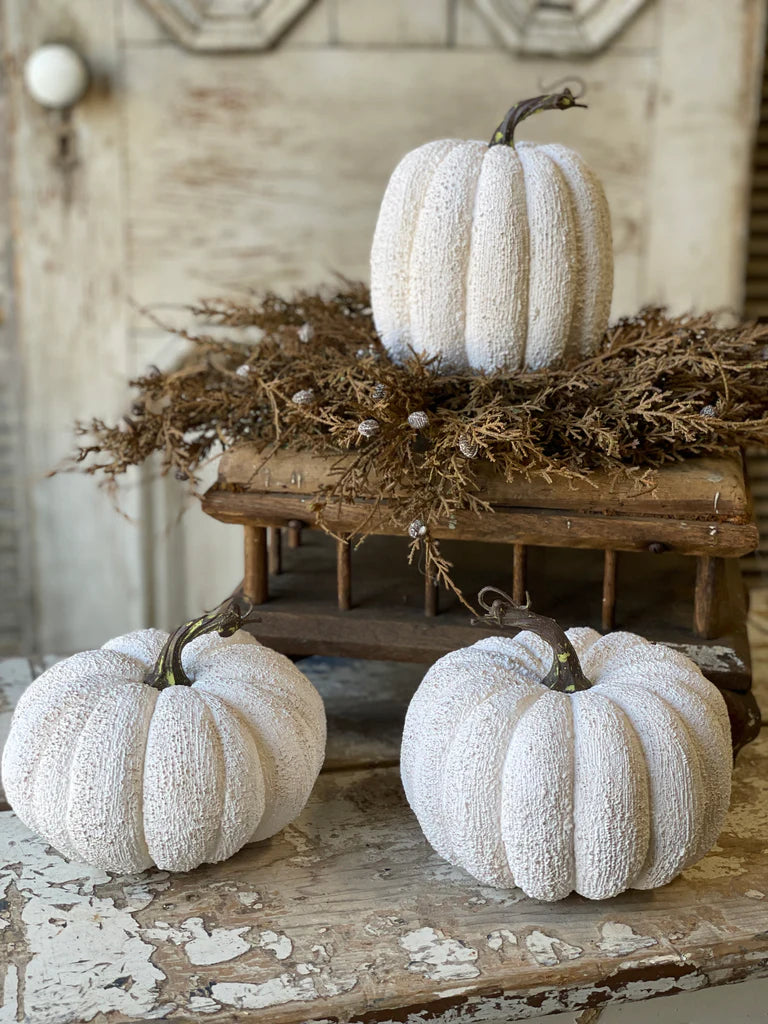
(707, 488)
(395, 23)
(542, 527)
(348, 914)
(72, 313)
(15, 595)
(689, 136)
(282, 207)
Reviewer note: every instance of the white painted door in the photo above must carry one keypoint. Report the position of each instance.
(202, 163)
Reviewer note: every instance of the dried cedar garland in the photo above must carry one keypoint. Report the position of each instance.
(660, 390)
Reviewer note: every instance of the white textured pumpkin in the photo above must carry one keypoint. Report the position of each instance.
(619, 785)
(120, 774)
(493, 256)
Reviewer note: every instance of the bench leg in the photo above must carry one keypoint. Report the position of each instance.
(294, 533)
(275, 550)
(344, 574)
(705, 597)
(255, 580)
(609, 592)
(519, 573)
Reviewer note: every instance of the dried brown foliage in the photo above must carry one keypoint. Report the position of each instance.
(661, 389)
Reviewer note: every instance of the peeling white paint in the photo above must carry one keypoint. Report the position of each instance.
(619, 939)
(216, 946)
(57, 986)
(645, 989)
(438, 957)
(548, 950)
(203, 1004)
(305, 968)
(202, 947)
(251, 899)
(278, 944)
(711, 659)
(247, 996)
(285, 988)
(139, 894)
(497, 939)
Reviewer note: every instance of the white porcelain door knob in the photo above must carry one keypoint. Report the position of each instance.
(56, 76)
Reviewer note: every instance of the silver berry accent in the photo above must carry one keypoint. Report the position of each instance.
(708, 410)
(243, 371)
(306, 333)
(418, 528)
(304, 397)
(368, 428)
(380, 392)
(418, 420)
(468, 447)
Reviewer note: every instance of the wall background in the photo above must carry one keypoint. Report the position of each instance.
(198, 174)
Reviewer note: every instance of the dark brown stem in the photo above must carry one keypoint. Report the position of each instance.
(504, 134)
(566, 674)
(224, 620)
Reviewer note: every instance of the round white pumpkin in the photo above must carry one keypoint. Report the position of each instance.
(613, 785)
(493, 256)
(115, 763)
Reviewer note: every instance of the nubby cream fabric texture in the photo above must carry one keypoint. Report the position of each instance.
(118, 774)
(616, 787)
(492, 258)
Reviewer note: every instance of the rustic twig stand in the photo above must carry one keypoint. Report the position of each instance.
(542, 538)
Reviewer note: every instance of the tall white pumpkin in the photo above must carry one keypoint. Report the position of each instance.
(545, 781)
(171, 751)
(493, 256)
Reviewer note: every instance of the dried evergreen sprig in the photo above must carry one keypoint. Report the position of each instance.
(661, 389)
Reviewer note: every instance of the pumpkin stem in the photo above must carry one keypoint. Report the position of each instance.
(566, 674)
(504, 134)
(224, 620)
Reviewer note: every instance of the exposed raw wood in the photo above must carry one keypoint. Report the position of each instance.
(705, 599)
(519, 573)
(348, 915)
(545, 527)
(344, 574)
(608, 617)
(707, 488)
(71, 305)
(275, 544)
(255, 579)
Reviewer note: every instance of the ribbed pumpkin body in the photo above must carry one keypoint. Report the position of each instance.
(118, 774)
(494, 258)
(619, 786)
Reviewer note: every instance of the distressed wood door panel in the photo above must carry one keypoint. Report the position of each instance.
(268, 171)
(202, 174)
(70, 277)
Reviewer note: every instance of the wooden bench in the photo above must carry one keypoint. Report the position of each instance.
(656, 555)
(348, 915)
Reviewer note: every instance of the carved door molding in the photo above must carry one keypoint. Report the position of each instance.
(227, 24)
(558, 27)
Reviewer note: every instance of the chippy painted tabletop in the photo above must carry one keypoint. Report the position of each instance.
(348, 915)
